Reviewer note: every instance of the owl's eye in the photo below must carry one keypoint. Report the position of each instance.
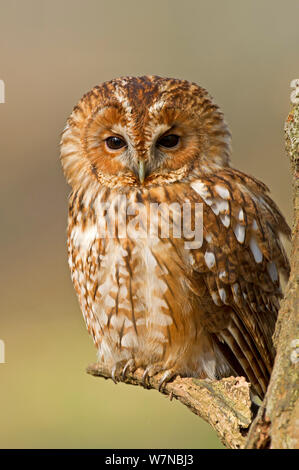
(168, 141)
(115, 143)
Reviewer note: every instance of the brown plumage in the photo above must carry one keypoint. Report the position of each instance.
(191, 306)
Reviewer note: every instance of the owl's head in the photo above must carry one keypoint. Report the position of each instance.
(143, 131)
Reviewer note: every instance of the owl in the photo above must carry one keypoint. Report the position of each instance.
(136, 151)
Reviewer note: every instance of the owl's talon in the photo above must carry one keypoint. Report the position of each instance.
(129, 365)
(166, 377)
(150, 371)
(146, 376)
(113, 374)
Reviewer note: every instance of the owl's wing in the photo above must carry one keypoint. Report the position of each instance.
(239, 263)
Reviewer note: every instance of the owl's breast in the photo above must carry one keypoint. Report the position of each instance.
(132, 280)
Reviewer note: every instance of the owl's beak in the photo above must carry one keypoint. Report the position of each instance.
(141, 170)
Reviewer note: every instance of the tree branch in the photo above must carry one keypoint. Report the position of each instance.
(224, 404)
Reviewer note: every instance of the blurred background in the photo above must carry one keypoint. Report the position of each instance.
(51, 52)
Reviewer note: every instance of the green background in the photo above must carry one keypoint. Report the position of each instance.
(245, 53)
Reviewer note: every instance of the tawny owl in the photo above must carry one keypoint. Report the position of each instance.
(136, 149)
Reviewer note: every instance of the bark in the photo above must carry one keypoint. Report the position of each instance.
(225, 404)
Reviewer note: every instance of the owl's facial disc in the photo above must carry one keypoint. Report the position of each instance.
(138, 151)
(143, 130)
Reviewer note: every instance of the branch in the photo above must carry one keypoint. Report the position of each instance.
(224, 404)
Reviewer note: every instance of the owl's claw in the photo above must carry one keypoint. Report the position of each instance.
(154, 369)
(119, 370)
(128, 366)
(166, 377)
(145, 376)
(113, 373)
(150, 370)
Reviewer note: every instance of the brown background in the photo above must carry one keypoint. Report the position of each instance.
(51, 52)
